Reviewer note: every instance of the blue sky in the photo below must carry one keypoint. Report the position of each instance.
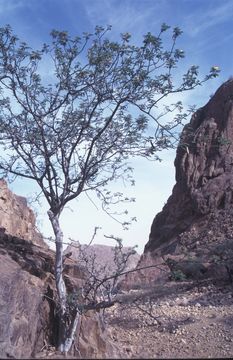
(207, 40)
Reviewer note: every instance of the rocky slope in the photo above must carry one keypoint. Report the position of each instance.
(175, 320)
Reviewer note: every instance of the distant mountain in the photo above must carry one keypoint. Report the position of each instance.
(101, 257)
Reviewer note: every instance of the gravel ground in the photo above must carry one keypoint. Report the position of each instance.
(175, 320)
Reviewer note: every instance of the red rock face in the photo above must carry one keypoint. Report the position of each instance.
(16, 218)
(27, 313)
(204, 172)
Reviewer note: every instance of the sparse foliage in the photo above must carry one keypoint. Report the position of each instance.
(100, 287)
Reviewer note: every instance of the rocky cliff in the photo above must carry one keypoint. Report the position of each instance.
(194, 233)
(16, 218)
(204, 172)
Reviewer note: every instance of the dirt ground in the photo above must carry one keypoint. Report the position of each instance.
(175, 320)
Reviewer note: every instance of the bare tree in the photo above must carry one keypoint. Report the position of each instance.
(75, 133)
(100, 287)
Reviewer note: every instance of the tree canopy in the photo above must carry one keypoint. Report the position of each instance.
(75, 133)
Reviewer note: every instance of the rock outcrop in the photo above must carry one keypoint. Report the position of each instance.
(16, 218)
(204, 172)
(27, 313)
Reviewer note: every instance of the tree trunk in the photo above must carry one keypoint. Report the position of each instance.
(60, 285)
(66, 332)
(71, 333)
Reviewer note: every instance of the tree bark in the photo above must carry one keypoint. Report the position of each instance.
(71, 335)
(60, 284)
(66, 332)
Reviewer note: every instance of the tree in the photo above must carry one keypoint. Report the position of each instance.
(75, 133)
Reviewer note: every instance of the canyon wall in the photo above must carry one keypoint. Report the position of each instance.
(194, 231)
(204, 172)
